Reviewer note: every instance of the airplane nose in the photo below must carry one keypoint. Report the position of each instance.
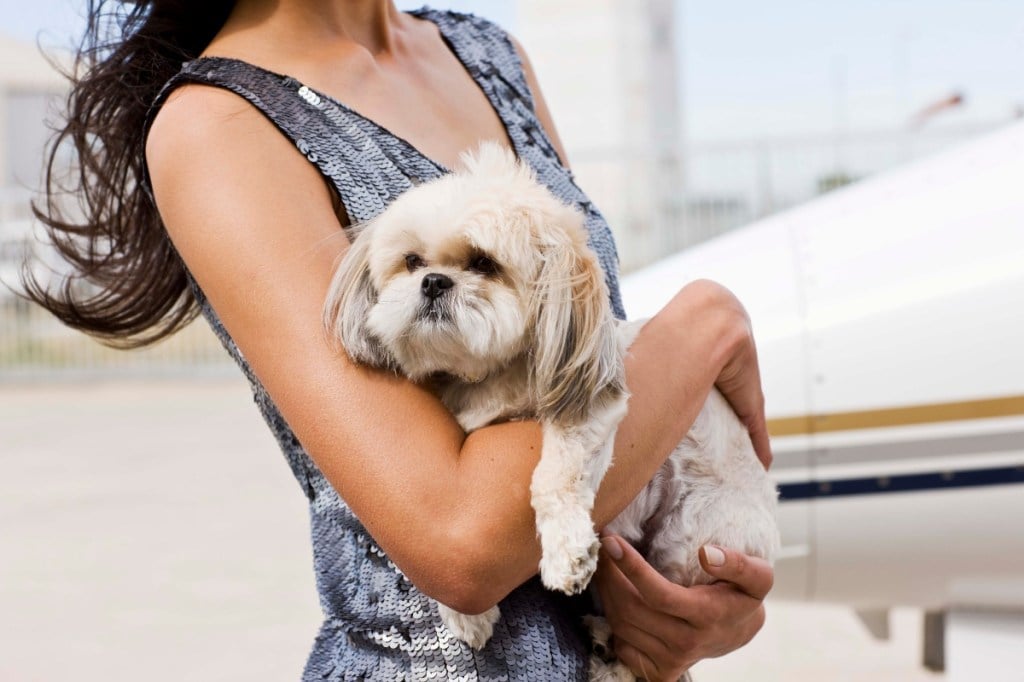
(435, 284)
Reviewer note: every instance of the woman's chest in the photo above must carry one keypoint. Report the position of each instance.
(430, 100)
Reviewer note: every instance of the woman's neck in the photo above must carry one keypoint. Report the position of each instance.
(315, 26)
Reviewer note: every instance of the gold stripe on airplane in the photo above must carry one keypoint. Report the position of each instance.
(897, 416)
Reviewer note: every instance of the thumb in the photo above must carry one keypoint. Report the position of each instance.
(750, 574)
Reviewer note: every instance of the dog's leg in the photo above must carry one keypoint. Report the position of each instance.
(610, 671)
(473, 630)
(573, 462)
(562, 502)
(604, 666)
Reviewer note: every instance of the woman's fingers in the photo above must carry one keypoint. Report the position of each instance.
(762, 444)
(627, 610)
(749, 578)
(657, 591)
(752, 575)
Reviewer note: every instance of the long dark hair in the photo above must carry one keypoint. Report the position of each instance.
(128, 288)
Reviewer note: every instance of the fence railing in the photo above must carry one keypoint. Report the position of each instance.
(33, 345)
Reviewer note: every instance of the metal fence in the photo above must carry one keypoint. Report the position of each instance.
(767, 175)
(725, 185)
(33, 345)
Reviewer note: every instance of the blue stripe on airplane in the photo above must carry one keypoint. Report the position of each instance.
(904, 483)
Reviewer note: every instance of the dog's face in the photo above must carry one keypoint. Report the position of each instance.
(453, 273)
(466, 273)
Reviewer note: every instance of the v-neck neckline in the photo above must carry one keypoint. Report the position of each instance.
(427, 14)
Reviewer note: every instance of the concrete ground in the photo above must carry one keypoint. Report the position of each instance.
(152, 531)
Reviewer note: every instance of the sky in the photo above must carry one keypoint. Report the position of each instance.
(863, 64)
(752, 68)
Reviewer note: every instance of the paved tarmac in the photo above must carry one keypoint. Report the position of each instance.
(151, 531)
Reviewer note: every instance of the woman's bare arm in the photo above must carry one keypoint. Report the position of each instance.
(253, 220)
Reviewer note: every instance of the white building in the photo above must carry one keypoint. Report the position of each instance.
(30, 87)
(30, 91)
(609, 71)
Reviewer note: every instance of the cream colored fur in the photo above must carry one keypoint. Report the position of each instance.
(522, 329)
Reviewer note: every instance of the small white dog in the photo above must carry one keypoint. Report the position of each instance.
(481, 284)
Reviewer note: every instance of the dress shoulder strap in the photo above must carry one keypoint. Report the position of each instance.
(367, 167)
(488, 54)
(485, 49)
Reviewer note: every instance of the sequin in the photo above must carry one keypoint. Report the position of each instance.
(310, 96)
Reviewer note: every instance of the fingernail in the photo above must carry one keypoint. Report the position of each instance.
(611, 546)
(714, 555)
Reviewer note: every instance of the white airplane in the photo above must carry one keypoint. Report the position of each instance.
(889, 318)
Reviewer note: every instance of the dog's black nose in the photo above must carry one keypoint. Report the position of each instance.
(436, 284)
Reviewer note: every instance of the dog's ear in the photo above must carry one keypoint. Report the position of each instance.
(350, 297)
(576, 358)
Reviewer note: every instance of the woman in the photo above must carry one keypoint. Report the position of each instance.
(403, 504)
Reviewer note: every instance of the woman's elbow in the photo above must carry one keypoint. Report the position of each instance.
(710, 298)
(470, 574)
(708, 305)
(468, 596)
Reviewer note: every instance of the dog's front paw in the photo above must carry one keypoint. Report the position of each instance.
(569, 554)
(569, 569)
(473, 630)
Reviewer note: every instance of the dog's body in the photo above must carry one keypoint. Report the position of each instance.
(481, 284)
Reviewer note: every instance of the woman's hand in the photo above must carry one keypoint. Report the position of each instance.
(660, 628)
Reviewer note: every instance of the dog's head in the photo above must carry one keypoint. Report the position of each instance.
(464, 274)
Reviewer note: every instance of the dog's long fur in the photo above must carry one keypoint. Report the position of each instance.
(481, 283)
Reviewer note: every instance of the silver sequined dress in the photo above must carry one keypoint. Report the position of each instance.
(377, 625)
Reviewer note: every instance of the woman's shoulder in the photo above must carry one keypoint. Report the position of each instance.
(216, 96)
(196, 120)
(193, 108)
(209, 151)
(207, 92)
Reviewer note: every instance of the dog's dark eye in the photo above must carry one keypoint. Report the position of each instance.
(483, 265)
(412, 261)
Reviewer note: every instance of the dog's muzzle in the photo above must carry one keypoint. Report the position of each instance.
(435, 307)
(435, 284)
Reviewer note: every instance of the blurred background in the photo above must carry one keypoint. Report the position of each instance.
(682, 120)
(146, 517)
